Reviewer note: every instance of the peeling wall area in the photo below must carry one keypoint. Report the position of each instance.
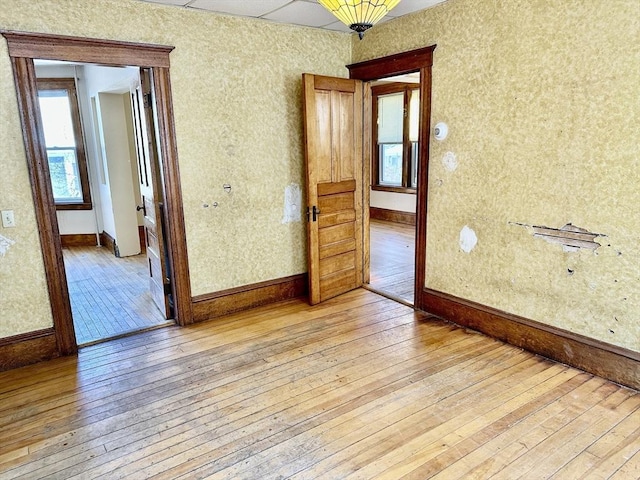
(237, 97)
(542, 103)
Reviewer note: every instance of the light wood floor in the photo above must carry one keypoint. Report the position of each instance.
(109, 296)
(357, 387)
(392, 255)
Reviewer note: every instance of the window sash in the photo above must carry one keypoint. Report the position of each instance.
(67, 161)
(395, 156)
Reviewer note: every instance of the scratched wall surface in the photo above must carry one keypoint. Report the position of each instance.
(237, 96)
(542, 99)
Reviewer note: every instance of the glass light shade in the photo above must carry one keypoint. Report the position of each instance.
(359, 15)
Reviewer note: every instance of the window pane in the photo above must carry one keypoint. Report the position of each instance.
(56, 118)
(390, 168)
(59, 136)
(390, 117)
(414, 165)
(65, 177)
(414, 115)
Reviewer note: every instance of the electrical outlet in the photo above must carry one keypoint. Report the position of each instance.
(7, 218)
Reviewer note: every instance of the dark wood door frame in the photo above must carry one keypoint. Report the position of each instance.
(420, 60)
(23, 49)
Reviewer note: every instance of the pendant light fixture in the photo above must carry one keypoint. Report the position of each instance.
(359, 15)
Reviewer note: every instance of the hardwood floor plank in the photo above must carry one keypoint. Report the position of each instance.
(377, 428)
(109, 296)
(465, 431)
(392, 258)
(618, 454)
(233, 355)
(326, 415)
(356, 387)
(527, 436)
(257, 410)
(631, 468)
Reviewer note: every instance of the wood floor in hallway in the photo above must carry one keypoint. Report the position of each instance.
(392, 256)
(357, 387)
(110, 296)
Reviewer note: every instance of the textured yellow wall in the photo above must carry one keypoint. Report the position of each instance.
(542, 98)
(237, 98)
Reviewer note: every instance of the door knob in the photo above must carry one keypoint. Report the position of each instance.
(139, 207)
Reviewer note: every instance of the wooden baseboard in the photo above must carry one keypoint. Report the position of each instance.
(212, 305)
(109, 242)
(79, 240)
(614, 363)
(392, 215)
(27, 348)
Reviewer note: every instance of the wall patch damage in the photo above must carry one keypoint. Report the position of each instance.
(292, 204)
(468, 239)
(5, 243)
(571, 238)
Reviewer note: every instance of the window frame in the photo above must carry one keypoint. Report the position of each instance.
(386, 89)
(69, 85)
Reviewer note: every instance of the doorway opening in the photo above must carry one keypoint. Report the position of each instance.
(408, 67)
(23, 49)
(97, 169)
(395, 115)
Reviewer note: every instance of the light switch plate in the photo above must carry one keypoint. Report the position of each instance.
(7, 218)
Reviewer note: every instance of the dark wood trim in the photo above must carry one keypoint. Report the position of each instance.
(143, 240)
(398, 64)
(74, 206)
(423, 185)
(382, 188)
(108, 242)
(27, 348)
(416, 60)
(23, 48)
(212, 305)
(45, 209)
(79, 240)
(88, 50)
(396, 216)
(614, 363)
(175, 234)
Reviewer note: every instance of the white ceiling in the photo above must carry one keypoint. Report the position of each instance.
(298, 12)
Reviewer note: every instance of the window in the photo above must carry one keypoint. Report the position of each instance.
(63, 139)
(396, 113)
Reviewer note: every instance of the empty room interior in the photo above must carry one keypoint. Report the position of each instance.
(241, 240)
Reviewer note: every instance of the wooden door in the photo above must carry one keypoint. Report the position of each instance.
(333, 139)
(151, 203)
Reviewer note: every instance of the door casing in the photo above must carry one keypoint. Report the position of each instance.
(23, 49)
(420, 60)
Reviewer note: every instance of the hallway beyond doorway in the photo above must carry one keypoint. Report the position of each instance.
(392, 259)
(109, 296)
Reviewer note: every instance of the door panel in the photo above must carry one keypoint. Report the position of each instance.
(337, 248)
(330, 219)
(151, 193)
(333, 139)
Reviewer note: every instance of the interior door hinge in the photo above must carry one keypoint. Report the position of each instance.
(147, 100)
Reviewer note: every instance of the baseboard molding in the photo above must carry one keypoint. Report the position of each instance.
(27, 348)
(109, 242)
(79, 240)
(392, 215)
(608, 361)
(212, 305)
